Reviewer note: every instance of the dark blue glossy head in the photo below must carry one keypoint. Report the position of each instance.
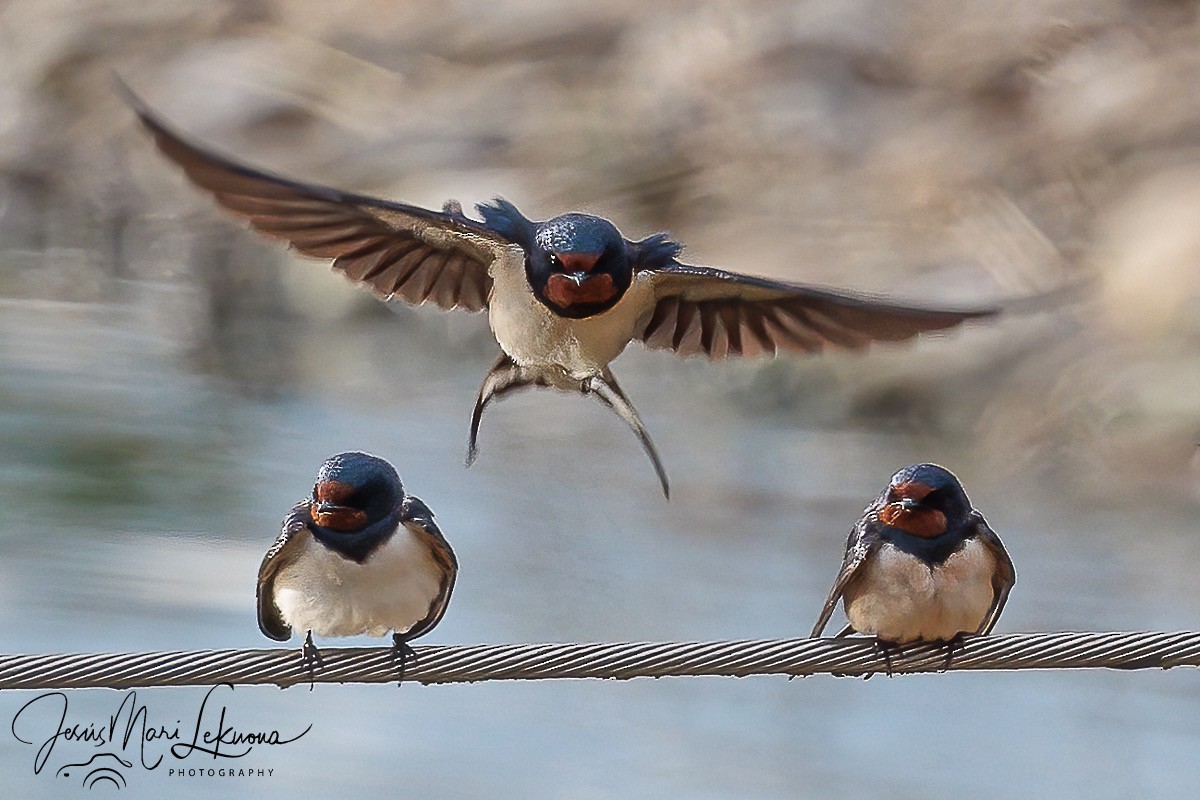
(931, 475)
(579, 233)
(925, 500)
(356, 502)
(370, 476)
(579, 265)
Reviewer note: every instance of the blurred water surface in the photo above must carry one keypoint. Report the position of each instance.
(139, 498)
(169, 385)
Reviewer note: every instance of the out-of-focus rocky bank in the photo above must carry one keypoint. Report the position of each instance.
(944, 152)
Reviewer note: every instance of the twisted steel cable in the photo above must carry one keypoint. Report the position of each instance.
(469, 663)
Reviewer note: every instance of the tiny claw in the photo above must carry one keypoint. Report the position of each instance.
(956, 641)
(887, 650)
(402, 651)
(312, 658)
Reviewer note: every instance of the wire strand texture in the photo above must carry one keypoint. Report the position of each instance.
(470, 663)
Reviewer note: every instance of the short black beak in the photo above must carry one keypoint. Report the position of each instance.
(577, 277)
(908, 504)
(326, 507)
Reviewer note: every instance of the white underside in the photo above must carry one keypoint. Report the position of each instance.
(534, 336)
(324, 592)
(901, 599)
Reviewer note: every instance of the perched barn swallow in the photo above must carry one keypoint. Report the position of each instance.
(357, 557)
(921, 565)
(564, 296)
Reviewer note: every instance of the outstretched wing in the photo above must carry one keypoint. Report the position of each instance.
(859, 546)
(417, 517)
(1004, 577)
(395, 250)
(718, 313)
(283, 553)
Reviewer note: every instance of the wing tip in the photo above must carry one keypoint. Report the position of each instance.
(981, 313)
(275, 634)
(139, 106)
(270, 621)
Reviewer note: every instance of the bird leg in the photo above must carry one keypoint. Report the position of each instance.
(955, 641)
(402, 651)
(312, 659)
(887, 650)
(605, 388)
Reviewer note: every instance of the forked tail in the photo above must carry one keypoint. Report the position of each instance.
(605, 388)
(506, 377)
(503, 378)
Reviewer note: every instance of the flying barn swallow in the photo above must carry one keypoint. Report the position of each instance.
(357, 557)
(564, 296)
(921, 565)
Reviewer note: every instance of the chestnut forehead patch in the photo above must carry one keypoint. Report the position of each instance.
(333, 491)
(578, 262)
(913, 490)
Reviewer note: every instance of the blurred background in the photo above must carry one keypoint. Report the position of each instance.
(169, 382)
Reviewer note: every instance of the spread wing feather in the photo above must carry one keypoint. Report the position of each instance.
(395, 250)
(719, 314)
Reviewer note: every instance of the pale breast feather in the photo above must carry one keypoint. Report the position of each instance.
(901, 598)
(331, 595)
(534, 336)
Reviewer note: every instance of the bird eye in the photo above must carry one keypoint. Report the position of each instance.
(555, 263)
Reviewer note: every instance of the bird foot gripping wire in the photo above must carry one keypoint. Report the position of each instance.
(887, 651)
(403, 654)
(312, 659)
(955, 643)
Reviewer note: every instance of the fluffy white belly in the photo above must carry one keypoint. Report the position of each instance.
(331, 595)
(534, 336)
(899, 598)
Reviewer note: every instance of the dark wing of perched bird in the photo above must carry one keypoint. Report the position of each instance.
(284, 552)
(417, 517)
(396, 250)
(1004, 577)
(718, 313)
(863, 540)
